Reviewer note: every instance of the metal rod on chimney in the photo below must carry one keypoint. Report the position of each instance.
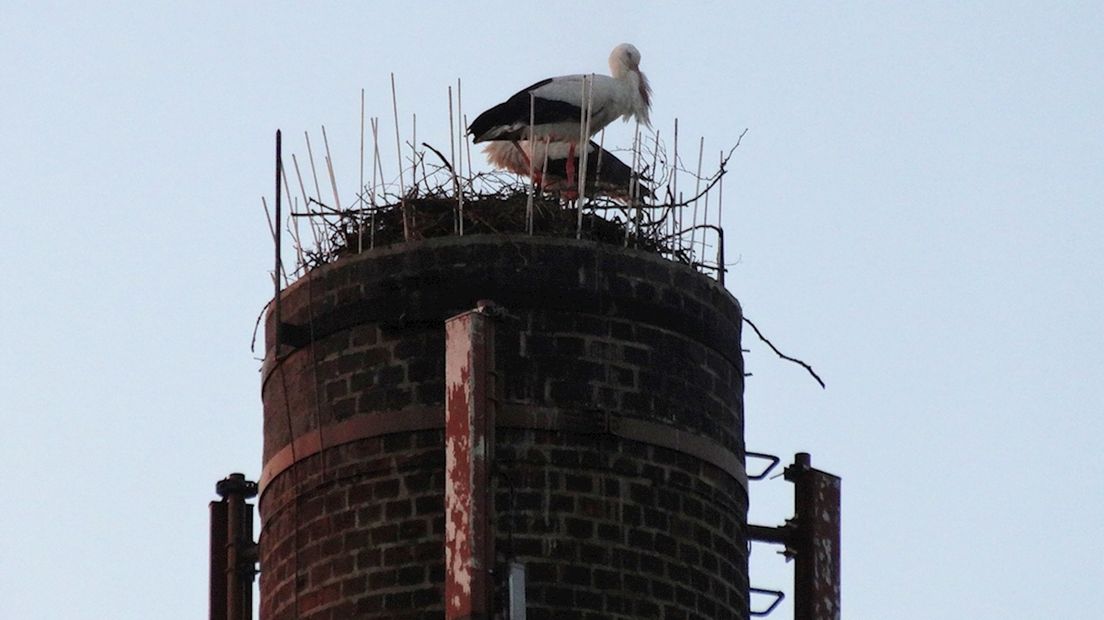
(279, 270)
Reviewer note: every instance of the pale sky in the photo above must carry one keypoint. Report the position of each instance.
(916, 210)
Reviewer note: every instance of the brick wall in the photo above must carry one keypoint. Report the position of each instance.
(357, 532)
(609, 527)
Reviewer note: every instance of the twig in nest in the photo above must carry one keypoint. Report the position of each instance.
(783, 355)
(442, 157)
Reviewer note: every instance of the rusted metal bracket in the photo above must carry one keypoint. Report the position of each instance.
(774, 461)
(811, 538)
(233, 551)
(778, 596)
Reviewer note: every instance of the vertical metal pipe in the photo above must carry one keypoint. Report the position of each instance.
(217, 579)
(233, 584)
(517, 591)
(239, 550)
(816, 541)
(247, 561)
(720, 256)
(279, 267)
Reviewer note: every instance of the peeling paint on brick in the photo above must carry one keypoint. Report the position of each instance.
(468, 416)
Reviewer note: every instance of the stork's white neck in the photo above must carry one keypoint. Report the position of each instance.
(618, 69)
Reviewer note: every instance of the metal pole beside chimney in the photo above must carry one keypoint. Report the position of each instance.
(217, 578)
(816, 540)
(233, 552)
(812, 539)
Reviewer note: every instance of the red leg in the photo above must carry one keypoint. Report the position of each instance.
(571, 165)
(524, 157)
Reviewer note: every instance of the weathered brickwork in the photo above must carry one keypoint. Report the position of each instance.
(582, 362)
(608, 527)
(619, 529)
(359, 534)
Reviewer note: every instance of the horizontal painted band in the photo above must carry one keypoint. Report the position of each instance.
(509, 416)
(355, 428)
(635, 429)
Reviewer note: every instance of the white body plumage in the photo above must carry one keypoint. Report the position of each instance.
(558, 103)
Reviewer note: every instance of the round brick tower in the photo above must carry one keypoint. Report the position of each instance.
(617, 478)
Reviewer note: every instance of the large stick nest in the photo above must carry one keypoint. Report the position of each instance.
(503, 212)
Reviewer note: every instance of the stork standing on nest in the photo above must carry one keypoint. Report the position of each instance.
(605, 173)
(559, 107)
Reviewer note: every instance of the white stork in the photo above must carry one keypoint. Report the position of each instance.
(605, 173)
(558, 105)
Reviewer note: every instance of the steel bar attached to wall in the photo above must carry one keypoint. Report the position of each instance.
(812, 539)
(469, 451)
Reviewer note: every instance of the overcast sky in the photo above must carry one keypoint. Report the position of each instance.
(916, 210)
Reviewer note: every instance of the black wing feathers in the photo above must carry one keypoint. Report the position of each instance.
(515, 111)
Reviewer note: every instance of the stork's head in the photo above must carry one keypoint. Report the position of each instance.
(624, 64)
(624, 58)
